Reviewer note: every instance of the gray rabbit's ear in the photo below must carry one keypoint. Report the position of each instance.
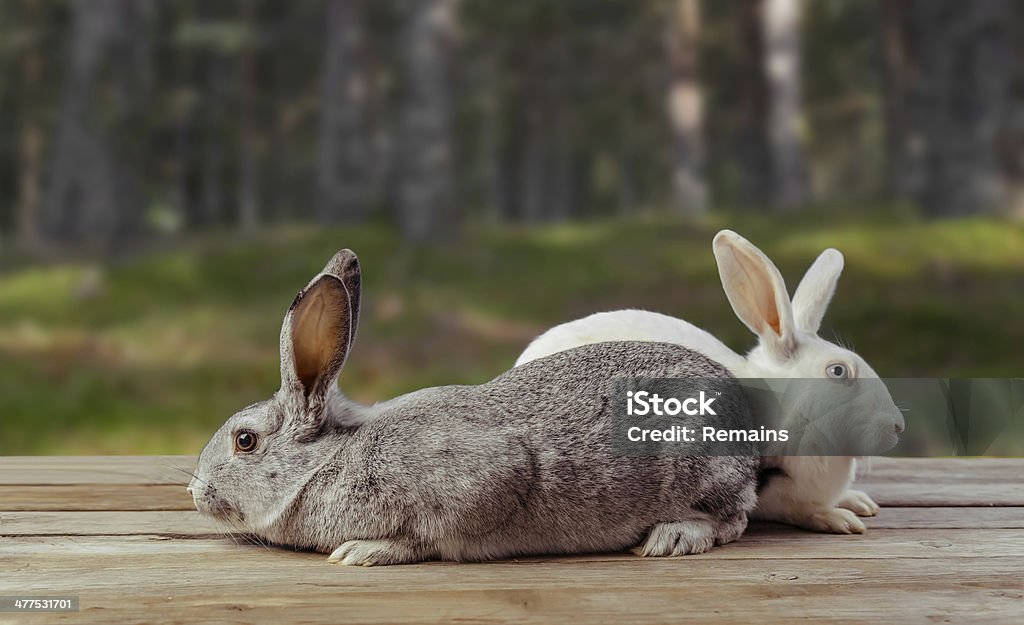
(345, 265)
(315, 340)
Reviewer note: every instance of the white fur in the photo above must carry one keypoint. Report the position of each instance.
(814, 491)
(629, 325)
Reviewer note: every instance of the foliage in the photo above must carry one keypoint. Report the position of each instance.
(150, 354)
(588, 77)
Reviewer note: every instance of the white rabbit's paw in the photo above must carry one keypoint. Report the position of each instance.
(834, 521)
(372, 553)
(858, 502)
(678, 539)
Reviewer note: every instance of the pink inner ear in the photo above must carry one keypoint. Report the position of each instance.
(761, 289)
(319, 332)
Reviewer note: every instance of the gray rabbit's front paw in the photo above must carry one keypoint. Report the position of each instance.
(373, 553)
(678, 539)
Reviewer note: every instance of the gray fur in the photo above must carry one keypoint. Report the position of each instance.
(520, 465)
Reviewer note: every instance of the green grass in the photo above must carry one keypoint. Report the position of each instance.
(151, 355)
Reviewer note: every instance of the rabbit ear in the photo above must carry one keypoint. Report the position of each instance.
(815, 291)
(316, 337)
(757, 292)
(345, 265)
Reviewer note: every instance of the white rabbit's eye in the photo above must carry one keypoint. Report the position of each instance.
(837, 371)
(245, 441)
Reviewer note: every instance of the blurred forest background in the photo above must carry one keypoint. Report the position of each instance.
(171, 172)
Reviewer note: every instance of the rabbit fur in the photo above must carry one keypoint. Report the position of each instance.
(520, 465)
(807, 491)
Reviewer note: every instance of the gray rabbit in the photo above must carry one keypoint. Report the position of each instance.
(520, 465)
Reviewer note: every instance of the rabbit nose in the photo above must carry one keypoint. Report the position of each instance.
(898, 427)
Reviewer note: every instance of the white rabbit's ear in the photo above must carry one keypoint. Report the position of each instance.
(816, 289)
(315, 341)
(757, 292)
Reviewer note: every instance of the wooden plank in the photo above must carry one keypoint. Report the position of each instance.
(944, 481)
(231, 585)
(191, 523)
(173, 469)
(173, 496)
(946, 517)
(98, 529)
(95, 497)
(898, 482)
(881, 468)
(860, 603)
(93, 523)
(96, 469)
(184, 521)
(48, 563)
(95, 483)
(913, 495)
(760, 542)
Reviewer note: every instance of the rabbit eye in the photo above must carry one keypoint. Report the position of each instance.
(837, 371)
(245, 441)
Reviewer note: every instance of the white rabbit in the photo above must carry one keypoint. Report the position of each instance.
(807, 491)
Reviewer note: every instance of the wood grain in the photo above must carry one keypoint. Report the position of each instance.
(95, 497)
(157, 482)
(765, 542)
(944, 481)
(120, 533)
(96, 469)
(242, 584)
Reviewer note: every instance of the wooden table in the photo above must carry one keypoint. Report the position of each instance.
(121, 534)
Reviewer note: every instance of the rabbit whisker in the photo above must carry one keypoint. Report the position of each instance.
(867, 465)
(252, 533)
(191, 474)
(230, 532)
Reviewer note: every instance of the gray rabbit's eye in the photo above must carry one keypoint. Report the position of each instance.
(245, 440)
(837, 371)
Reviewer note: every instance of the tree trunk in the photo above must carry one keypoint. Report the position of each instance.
(426, 194)
(210, 209)
(490, 151)
(94, 191)
(534, 166)
(248, 195)
(685, 109)
(964, 104)
(183, 110)
(343, 168)
(30, 144)
(1012, 144)
(782, 58)
(751, 147)
(902, 145)
(512, 151)
(627, 200)
(562, 198)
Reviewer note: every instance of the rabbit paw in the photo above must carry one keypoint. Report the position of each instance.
(678, 539)
(834, 521)
(858, 502)
(372, 552)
